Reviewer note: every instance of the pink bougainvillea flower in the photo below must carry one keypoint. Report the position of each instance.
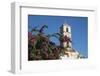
(32, 39)
(66, 39)
(29, 35)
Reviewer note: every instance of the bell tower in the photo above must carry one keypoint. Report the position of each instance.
(65, 30)
(66, 42)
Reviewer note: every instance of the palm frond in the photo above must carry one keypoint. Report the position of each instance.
(42, 28)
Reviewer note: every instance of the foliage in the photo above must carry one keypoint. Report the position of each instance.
(40, 47)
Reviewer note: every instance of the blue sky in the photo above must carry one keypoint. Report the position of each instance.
(79, 26)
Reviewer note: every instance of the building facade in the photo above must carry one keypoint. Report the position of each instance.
(69, 52)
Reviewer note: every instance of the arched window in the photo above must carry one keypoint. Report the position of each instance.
(67, 30)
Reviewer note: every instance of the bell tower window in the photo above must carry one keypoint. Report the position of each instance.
(67, 30)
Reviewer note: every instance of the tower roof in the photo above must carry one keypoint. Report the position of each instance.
(65, 24)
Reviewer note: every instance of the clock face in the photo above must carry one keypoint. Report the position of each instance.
(57, 37)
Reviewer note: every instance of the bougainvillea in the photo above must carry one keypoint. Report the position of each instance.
(40, 47)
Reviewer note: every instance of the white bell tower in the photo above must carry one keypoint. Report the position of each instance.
(65, 29)
(69, 52)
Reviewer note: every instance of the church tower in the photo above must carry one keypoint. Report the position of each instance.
(65, 30)
(66, 42)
